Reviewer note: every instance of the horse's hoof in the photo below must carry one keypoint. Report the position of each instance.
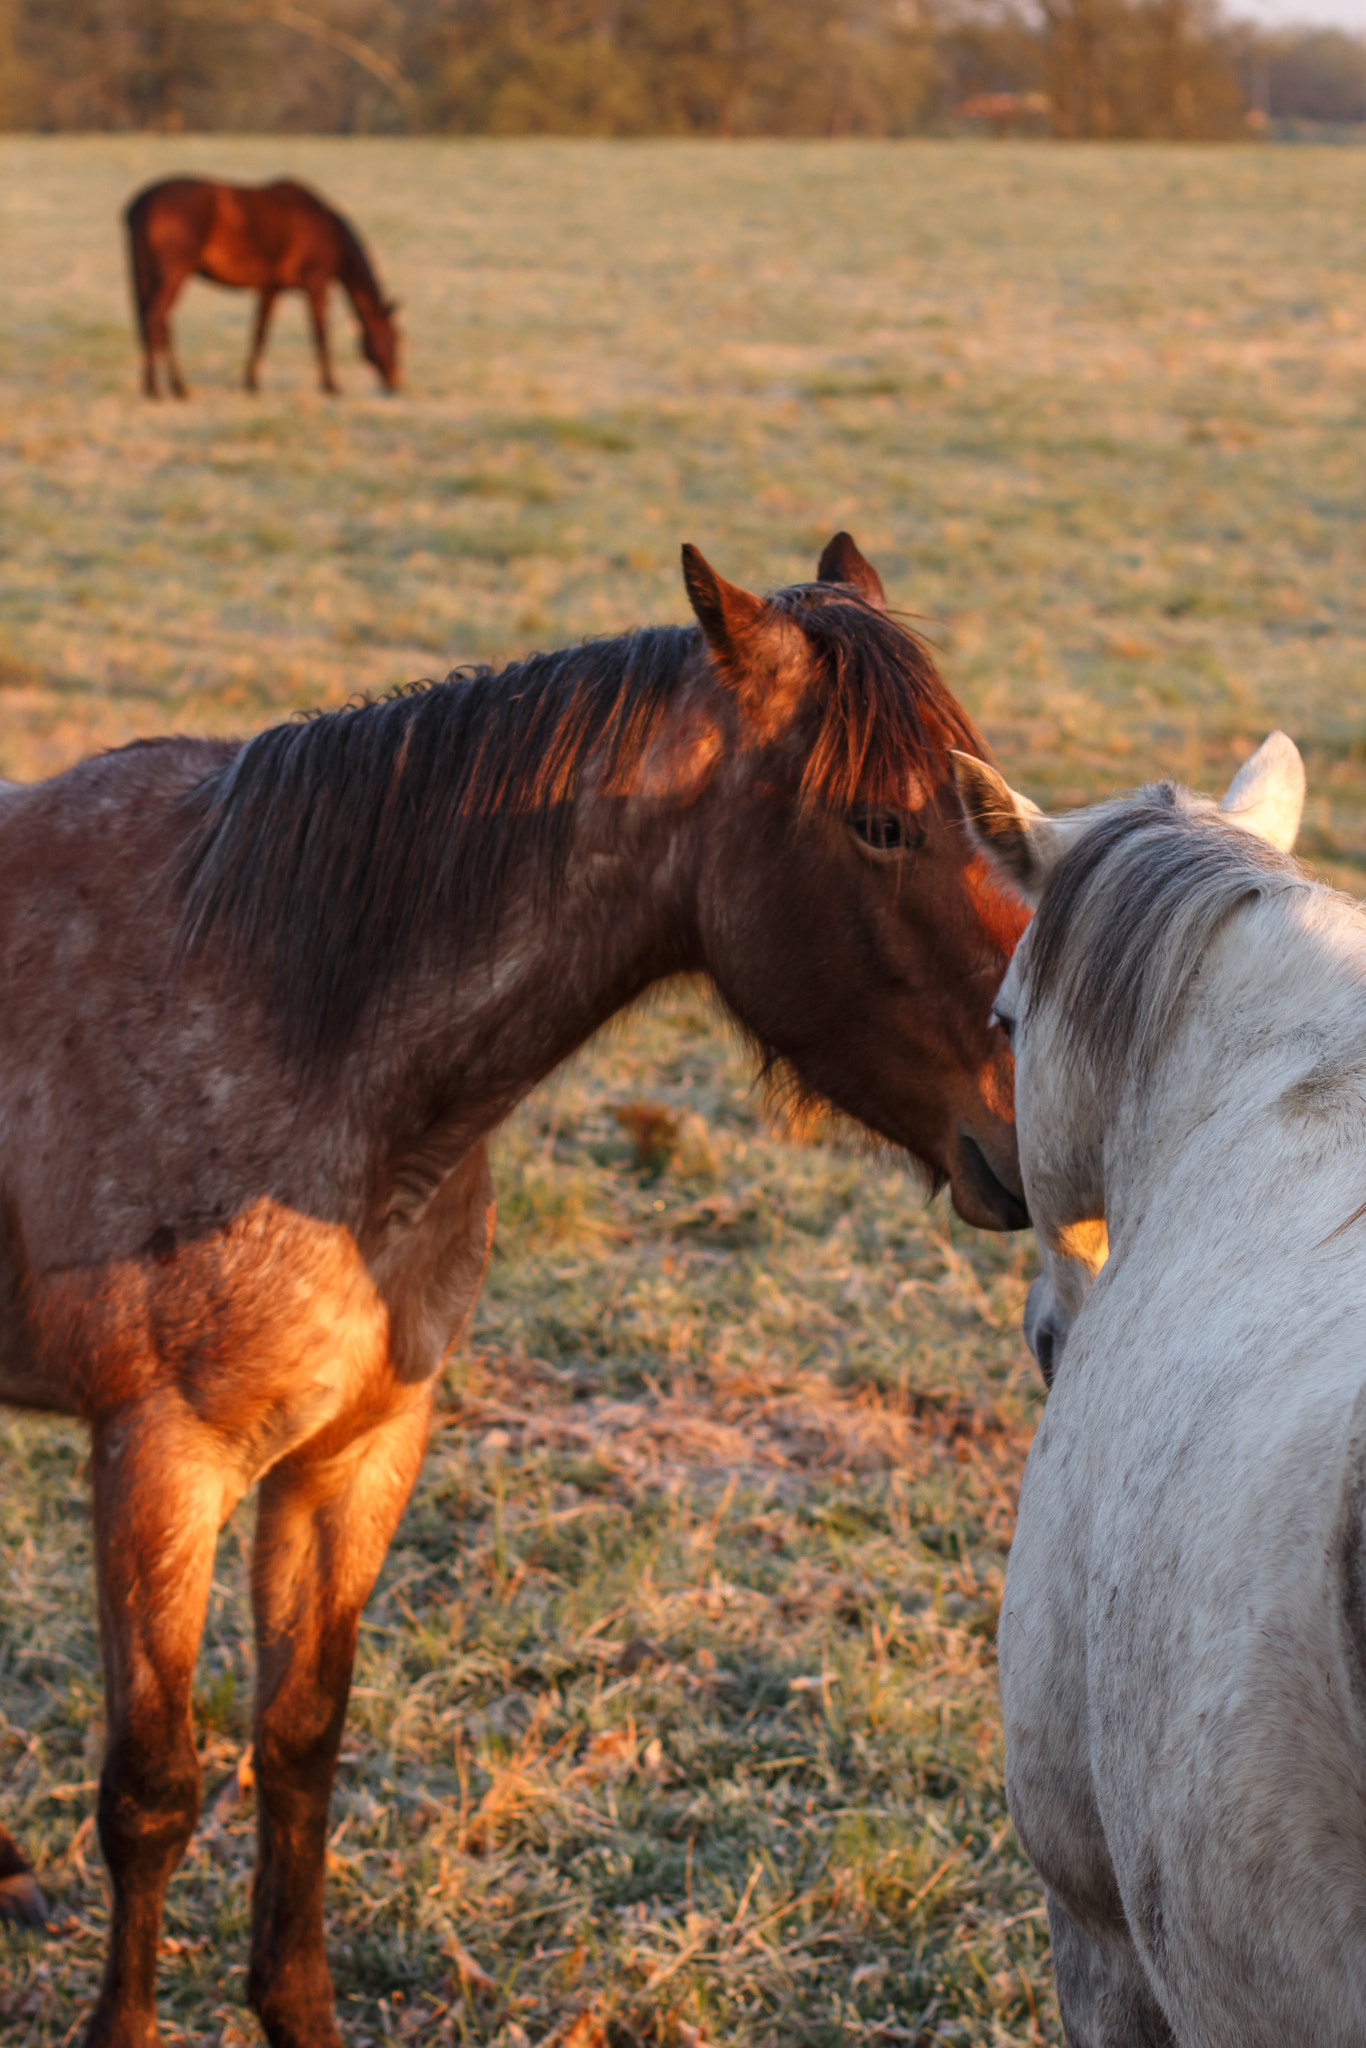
(21, 1902)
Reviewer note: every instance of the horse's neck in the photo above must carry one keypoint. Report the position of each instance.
(463, 1049)
(1265, 1079)
(357, 280)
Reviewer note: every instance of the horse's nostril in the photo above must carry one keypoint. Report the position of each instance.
(1043, 1354)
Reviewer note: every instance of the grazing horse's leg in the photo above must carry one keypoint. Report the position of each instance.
(158, 332)
(21, 1902)
(1104, 1994)
(324, 1527)
(159, 1500)
(270, 293)
(149, 365)
(317, 306)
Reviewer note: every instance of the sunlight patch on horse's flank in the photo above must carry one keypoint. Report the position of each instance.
(1088, 1242)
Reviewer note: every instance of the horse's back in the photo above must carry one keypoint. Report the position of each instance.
(173, 210)
(246, 235)
(1186, 1698)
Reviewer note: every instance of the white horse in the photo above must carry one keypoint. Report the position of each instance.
(1183, 1633)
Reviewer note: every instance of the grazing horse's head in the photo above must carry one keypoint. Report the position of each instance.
(380, 340)
(1128, 896)
(845, 915)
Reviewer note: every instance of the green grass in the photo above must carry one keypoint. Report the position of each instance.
(675, 1713)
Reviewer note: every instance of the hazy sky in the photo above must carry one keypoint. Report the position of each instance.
(1350, 14)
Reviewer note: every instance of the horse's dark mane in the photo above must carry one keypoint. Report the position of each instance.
(355, 265)
(329, 852)
(1127, 916)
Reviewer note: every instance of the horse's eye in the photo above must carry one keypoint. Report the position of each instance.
(884, 831)
(1007, 1025)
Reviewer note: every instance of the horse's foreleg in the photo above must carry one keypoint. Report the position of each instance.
(158, 1506)
(317, 307)
(264, 309)
(21, 1902)
(322, 1533)
(1104, 1993)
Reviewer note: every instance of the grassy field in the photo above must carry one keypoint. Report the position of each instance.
(675, 1716)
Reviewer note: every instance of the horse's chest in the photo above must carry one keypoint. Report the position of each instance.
(429, 1270)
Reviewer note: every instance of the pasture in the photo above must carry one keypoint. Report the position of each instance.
(675, 1717)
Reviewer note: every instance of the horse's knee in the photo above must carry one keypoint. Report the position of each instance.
(149, 1799)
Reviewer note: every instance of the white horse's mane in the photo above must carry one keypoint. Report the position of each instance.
(1128, 914)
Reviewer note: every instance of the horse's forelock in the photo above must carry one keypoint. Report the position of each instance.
(883, 712)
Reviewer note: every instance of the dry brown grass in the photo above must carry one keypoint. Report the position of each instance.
(675, 1718)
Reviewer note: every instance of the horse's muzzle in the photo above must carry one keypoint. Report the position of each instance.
(991, 1204)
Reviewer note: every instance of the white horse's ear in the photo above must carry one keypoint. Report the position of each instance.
(1266, 796)
(1020, 842)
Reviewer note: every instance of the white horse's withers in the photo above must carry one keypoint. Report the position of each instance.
(1183, 1632)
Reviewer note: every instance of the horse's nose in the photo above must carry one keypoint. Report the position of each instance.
(1043, 1329)
(979, 1193)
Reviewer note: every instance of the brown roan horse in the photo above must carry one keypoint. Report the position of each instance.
(265, 238)
(265, 1006)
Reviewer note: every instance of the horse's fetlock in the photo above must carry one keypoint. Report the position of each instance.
(114, 2026)
(294, 2002)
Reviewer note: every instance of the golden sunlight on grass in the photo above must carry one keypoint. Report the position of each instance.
(675, 1719)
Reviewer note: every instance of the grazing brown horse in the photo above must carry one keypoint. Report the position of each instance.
(265, 1006)
(265, 238)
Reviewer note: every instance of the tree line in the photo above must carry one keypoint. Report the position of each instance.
(1075, 68)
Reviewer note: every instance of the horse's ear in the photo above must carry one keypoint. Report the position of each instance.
(1266, 796)
(727, 615)
(762, 655)
(1019, 841)
(843, 562)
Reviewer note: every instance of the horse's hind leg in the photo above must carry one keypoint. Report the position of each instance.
(1104, 1992)
(323, 1530)
(158, 1507)
(156, 333)
(21, 1902)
